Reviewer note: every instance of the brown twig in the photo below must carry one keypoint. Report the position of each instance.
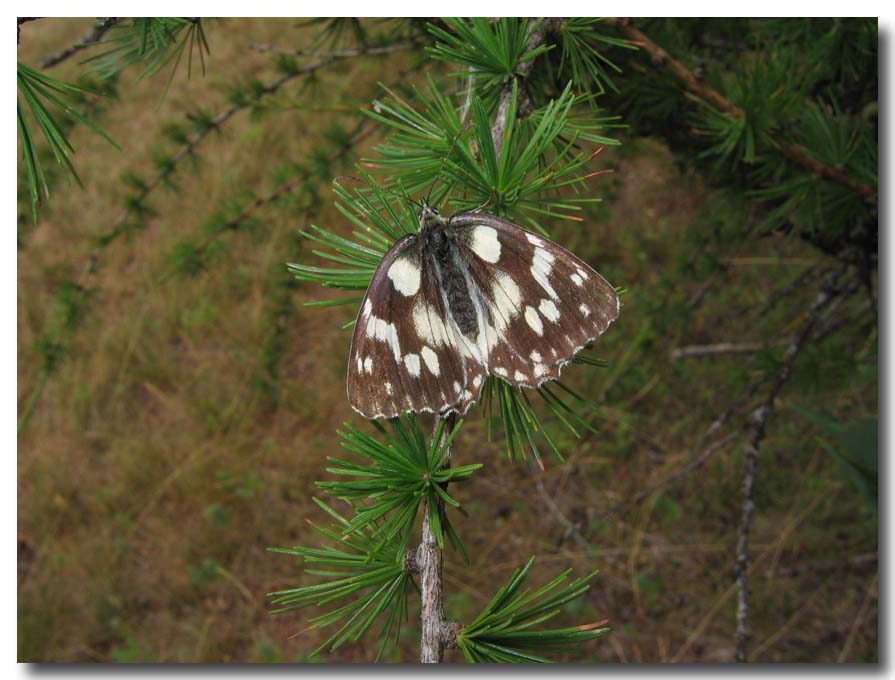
(194, 140)
(859, 619)
(103, 24)
(707, 94)
(538, 31)
(337, 54)
(725, 348)
(761, 415)
(19, 22)
(556, 511)
(360, 133)
(437, 633)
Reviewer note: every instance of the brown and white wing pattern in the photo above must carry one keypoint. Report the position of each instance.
(467, 297)
(403, 355)
(541, 304)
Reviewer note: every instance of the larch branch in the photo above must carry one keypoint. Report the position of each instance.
(761, 415)
(697, 87)
(103, 24)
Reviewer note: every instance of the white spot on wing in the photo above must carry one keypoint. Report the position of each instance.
(549, 310)
(412, 361)
(577, 280)
(501, 371)
(485, 244)
(584, 309)
(541, 266)
(405, 276)
(534, 240)
(388, 388)
(533, 320)
(429, 325)
(581, 273)
(541, 369)
(368, 306)
(379, 329)
(368, 364)
(519, 376)
(477, 381)
(431, 360)
(535, 355)
(456, 386)
(507, 298)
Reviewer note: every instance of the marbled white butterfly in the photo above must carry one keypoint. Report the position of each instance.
(466, 297)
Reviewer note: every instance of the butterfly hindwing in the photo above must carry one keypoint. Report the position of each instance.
(402, 354)
(541, 303)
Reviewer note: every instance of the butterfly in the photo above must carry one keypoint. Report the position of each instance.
(464, 298)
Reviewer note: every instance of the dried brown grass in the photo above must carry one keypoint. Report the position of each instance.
(152, 452)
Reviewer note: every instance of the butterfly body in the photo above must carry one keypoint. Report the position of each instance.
(466, 297)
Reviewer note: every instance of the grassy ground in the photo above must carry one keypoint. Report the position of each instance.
(182, 430)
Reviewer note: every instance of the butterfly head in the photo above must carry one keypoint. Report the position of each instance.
(430, 219)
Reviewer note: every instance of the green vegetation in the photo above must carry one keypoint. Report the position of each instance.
(178, 401)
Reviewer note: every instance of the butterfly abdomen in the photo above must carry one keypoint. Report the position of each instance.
(450, 275)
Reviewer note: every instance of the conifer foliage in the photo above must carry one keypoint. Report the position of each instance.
(519, 141)
(780, 114)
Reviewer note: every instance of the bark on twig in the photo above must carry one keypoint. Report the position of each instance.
(570, 528)
(707, 444)
(103, 24)
(19, 22)
(698, 87)
(537, 34)
(436, 631)
(467, 97)
(336, 54)
(725, 348)
(827, 295)
(189, 148)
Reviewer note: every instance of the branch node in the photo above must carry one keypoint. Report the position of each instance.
(451, 634)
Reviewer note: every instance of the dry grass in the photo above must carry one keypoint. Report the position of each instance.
(155, 470)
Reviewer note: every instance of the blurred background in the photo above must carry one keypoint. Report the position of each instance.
(177, 400)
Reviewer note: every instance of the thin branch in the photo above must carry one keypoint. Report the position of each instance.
(556, 511)
(694, 464)
(19, 22)
(698, 87)
(706, 444)
(356, 137)
(726, 348)
(91, 260)
(193, 142)
(437, 633)
(761, 415)
(872, 594)
(103, 24)
(537, 34)
(337, 54)
(360, 132)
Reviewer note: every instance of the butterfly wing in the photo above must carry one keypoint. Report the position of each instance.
(403, 355)
(541, 303)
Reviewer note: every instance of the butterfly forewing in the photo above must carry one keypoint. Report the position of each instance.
(543, 303)
(402, 354)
